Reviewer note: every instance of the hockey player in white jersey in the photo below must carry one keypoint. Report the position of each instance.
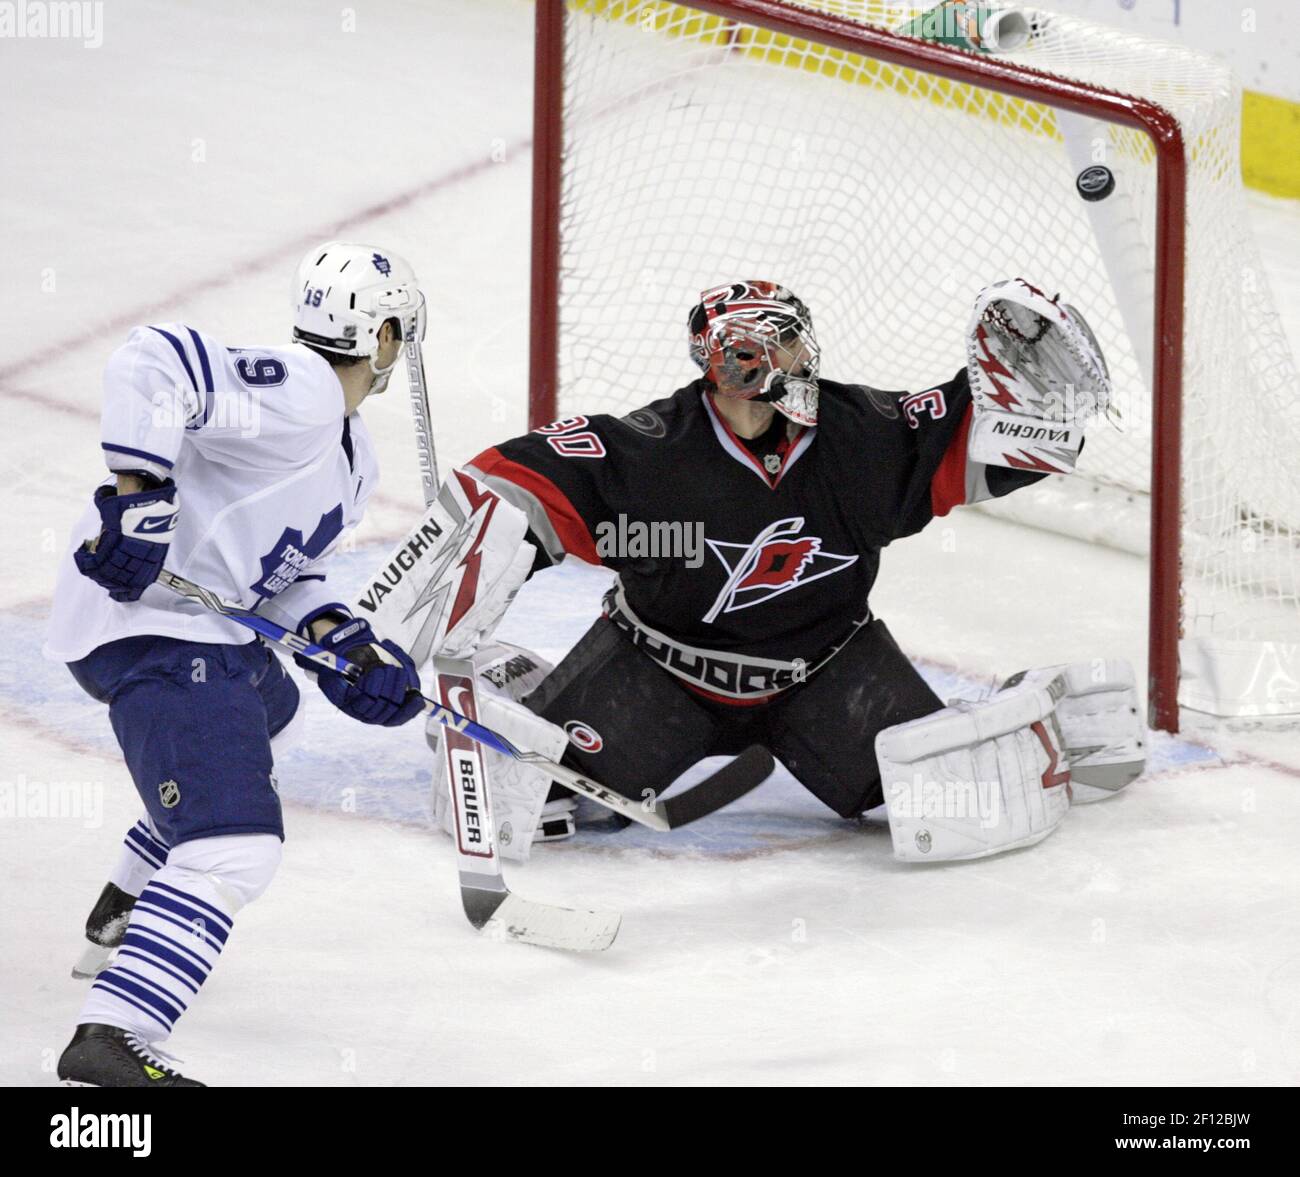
(241, 469)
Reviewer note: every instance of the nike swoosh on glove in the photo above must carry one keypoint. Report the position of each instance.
(388, 691)
(136, 532)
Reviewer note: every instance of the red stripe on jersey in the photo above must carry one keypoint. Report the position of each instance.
(948, 486)
(568, 524)
(731, 702)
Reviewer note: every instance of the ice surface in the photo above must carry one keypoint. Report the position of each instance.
(178, 172)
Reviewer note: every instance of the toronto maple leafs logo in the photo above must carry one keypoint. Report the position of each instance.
(291, 554)
(382, 264)
(777, 560)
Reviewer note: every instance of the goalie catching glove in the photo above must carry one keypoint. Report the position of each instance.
(445, 587)
(1037, 375)
(981, 777)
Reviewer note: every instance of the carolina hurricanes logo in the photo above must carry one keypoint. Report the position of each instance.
(778, 560)
(584, 737)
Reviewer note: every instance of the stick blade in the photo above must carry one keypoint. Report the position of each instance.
(731, 782)
(552, 927)
(481, 895)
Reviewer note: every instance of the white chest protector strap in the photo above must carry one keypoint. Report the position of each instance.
(445, 586)
(975, 778)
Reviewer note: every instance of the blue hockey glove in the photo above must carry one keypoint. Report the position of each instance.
(388, 691)
(133, 541)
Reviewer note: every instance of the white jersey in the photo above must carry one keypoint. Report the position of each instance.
(270, 474)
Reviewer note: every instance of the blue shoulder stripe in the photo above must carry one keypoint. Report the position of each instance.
(180, 351)
(203, 358)
(207, 377)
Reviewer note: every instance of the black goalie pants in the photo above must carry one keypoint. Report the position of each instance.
(633, 726)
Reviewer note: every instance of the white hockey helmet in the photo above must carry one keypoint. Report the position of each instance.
(344, 292)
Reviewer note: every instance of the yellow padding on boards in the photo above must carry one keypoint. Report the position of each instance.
(1270, 144)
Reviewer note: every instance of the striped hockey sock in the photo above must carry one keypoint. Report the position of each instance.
(178, 928)
(143, 853)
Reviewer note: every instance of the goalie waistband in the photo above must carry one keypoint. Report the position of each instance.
(741, 678)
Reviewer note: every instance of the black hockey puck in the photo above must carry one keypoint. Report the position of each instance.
(1095, 183)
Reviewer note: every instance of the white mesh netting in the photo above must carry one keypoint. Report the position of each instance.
(699, 151)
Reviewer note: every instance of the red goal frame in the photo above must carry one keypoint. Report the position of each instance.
(1160, 126)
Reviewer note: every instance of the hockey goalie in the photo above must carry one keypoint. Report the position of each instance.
(764, 634)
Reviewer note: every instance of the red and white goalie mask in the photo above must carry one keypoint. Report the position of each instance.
(755, 341)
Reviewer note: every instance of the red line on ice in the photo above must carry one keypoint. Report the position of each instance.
(263, 261)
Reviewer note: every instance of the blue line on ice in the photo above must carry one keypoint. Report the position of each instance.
(347, 768)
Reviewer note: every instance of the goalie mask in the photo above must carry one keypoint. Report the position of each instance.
(755, 341)
(343, 294)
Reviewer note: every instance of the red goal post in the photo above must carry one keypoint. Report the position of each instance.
(986, 72)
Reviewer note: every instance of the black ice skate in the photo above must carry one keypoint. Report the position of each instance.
(105, 1056)
(105, 927)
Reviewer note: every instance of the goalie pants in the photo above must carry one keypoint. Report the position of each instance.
(633, 726)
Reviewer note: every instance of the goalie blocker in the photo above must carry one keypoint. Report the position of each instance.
(978, 778)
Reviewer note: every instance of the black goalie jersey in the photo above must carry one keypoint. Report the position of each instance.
(743, 564)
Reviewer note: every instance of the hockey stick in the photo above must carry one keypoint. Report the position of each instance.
(419, 390)
(734, 780)
(487, 900)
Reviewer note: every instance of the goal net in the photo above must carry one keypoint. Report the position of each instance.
(679, 148)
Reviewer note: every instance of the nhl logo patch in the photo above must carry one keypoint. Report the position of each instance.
(169, 793)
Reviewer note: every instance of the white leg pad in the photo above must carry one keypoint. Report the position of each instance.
(1103, 730)
(976, 778)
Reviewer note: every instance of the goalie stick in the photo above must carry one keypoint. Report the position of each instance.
(490, 906)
